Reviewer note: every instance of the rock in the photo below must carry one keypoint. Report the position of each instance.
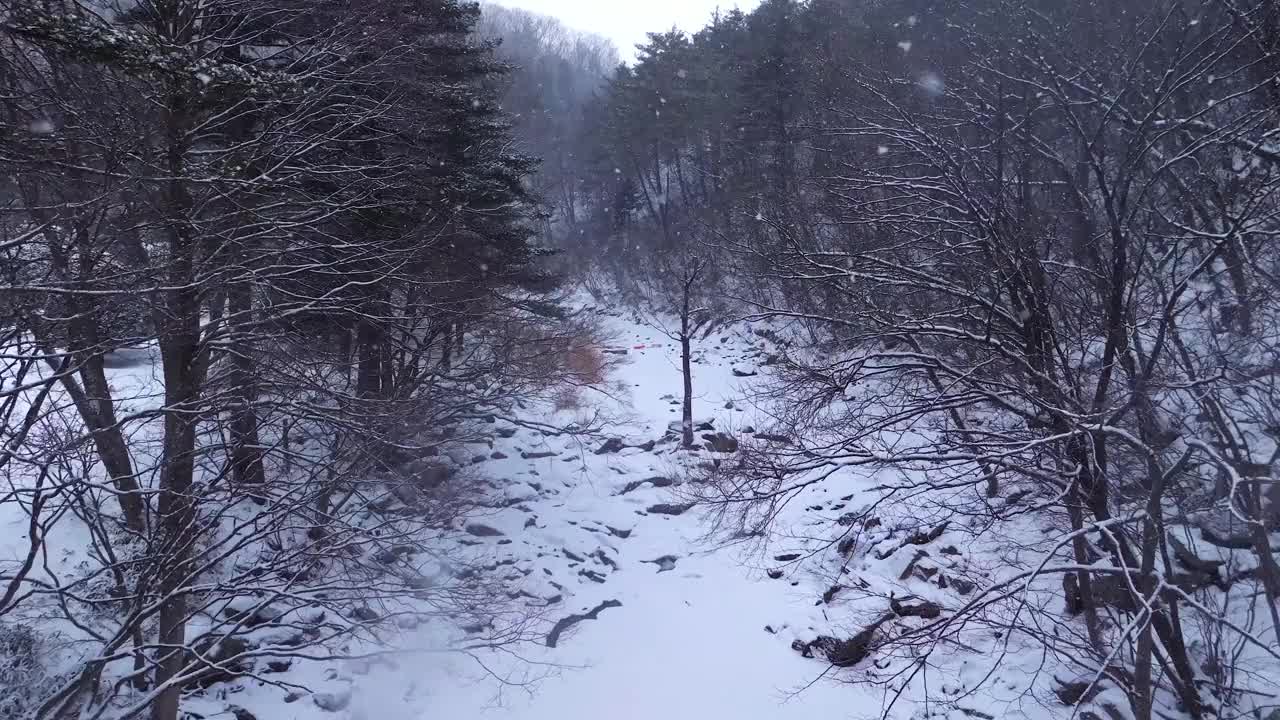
(906, 572)
(240, 713)
(506, 432)
(572, 555)
(612, 445)
(664, 563)
(728, 405)
(669, 508)
(830, 594)
(332, 702)
(926, 572)
(744, 370)
(498, 455)
(477, 459)
(962, 586)
(1016, 497)
(604, 559)
(1107, 589)
(656, 481)
(925, 609)
(592, 575)
(704, 425)
(774, 573)
(405, 493)
(621, 534)
(846, 545)
(393, 553)
(787, 557)
(1190, 560)
(531, 522)
(721, 442)
(1074, 692)
(482, 530)
(771, 437)
(842, 653)
(366, 614)
(647, 446)
(553, 637)
(428, 475)
(538, 455)
(278, 666)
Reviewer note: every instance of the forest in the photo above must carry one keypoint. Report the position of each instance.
(349, 350)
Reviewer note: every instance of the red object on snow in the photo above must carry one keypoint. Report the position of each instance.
(637, 347)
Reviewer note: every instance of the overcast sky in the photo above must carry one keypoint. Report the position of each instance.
(625, 22)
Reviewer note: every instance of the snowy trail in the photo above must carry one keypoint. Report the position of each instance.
(689, 642)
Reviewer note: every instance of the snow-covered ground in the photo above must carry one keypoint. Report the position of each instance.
(686, 630)
(679, 628)
(699, 633)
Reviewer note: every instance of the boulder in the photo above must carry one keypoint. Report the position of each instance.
(656, 481)
(773, 438)
(925, 609)
(428, 475)
(332, 702)
(842, 653)
(612, 445)
(482, 530)
(669, 508)
(1075, 691)
(664, 563)
(721, 442)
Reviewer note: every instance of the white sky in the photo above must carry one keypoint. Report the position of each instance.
(625, 22)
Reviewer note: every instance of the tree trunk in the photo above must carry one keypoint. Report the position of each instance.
(369, 360)
(246, 451)
(686, 368)
(109, 442)
(109, 438)
(178, 321)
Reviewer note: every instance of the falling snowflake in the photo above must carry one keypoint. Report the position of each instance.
(882, 150)
(905, 46)
(42, 126)
(932, 83)
(682, 73)
(912, 20)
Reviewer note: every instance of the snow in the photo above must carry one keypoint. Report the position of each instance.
(700, 631)
(689, 639)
